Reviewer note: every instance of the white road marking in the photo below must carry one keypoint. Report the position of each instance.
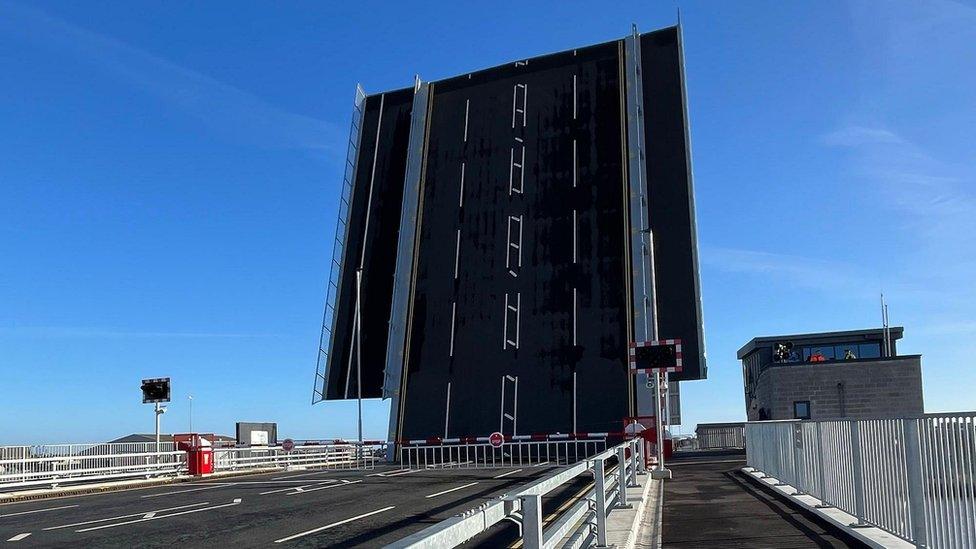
(541, 464)
(126, 516)
(208, 487)
(407, 472)
(451, 490)
(235, 502)
(334, 524)
(38, 511)
(19, 537)
(311, 474)
(344, 483)
(385, 473)
(298, 488)
(506, 474)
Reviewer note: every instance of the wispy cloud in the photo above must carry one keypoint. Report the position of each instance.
(833, 277)
(225, 109)
(45, 332)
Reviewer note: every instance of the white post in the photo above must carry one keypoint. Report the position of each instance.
(599, 477)
(858, 474)
(158, 413)
(659, 472)
(189, 398)
(821, 471)
(916, 483)
(359, 354)
(532, 521)
(622, 478)
(501, 413)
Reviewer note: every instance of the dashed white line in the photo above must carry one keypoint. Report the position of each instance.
(236, 501)
(208, 487)
(142, 514)
(384, 473)
(38, 511)
(506, 474)
(451, 490)
(334, 524)
(19, 537)
(540, 464)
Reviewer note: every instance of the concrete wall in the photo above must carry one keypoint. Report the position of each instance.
(858, 389)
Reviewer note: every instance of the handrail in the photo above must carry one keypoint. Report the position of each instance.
(912, 477)
(584, 520)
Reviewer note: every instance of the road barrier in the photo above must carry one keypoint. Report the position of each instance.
(54, 465)
(912, 477)
(714, 436)
(342, 455)
(583, 524)
(476, 453)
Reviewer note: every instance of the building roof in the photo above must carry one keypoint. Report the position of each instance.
(869, 334)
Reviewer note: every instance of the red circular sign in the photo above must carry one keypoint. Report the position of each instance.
(288, 445)
(496, 439)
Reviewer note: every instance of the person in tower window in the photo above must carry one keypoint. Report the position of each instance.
(818, 356)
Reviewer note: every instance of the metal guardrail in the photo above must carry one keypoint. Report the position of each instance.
(484, 455)
(56, 464)
(53, 465)
(584, 524)
(714, 437)
(328, 456)
(912, 477)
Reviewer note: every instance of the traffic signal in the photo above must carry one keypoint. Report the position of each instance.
(155, 390)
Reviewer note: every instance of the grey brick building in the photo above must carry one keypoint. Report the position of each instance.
(828, 375)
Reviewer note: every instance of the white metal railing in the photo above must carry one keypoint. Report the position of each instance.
(713, 437)
(484, 455)
(913, 477)
(338, 456)
(583, 524)
(56, 464)
(53, 465)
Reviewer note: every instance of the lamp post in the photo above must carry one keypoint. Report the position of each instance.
(189, 399)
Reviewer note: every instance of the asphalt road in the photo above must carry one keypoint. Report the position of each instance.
(710, 503)
(287, 509)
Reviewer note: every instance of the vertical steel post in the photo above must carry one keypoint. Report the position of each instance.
(633, 463)
(600, 479)
(797, 466)
(858, 474)
(622, 478)
(822, 496)
(916, 487)
(574, 402)
(532, 521)
(359, 342)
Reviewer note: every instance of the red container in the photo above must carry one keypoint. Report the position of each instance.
(200, 460)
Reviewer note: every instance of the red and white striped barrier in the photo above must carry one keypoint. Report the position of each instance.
(538, 437)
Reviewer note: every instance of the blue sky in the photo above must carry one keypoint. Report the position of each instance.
(169, 177)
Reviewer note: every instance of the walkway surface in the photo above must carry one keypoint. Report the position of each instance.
(710, 503)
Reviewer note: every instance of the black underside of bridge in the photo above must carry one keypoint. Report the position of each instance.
(532, 153)
(711, 503)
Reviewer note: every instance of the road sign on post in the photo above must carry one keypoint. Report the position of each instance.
(288, 445)
(496, 439)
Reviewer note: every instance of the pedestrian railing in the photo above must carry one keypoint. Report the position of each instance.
(325, 456)
(714, 436)
(912, 477)
(582, 524)
(478, 453)
(57, 464)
